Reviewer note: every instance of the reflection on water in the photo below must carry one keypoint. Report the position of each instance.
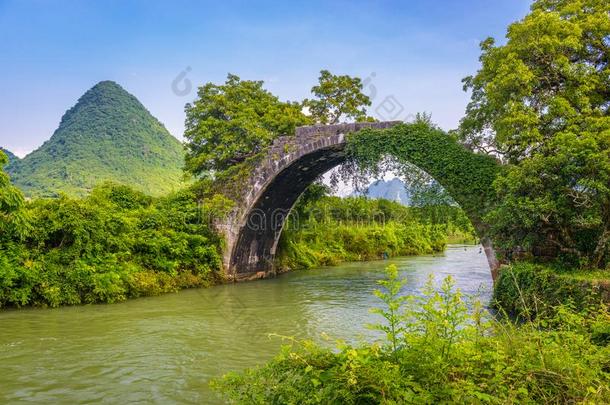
(165, 349)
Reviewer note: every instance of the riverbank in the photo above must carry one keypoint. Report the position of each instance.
(115, 244)
(440, 347)
(527, 290)
(181, 341)
(334, 243)
(331, 230)
(118, 243)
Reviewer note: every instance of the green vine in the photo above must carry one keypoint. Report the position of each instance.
(467, 176)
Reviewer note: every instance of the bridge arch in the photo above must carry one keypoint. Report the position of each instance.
(291, 164)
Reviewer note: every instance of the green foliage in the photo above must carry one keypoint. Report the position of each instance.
(549, 79)
(540, 101)
(332, 243)
(233, 121)
(390, 296)
(526, 290)
(107, 136)
(328, 230)
(445, 353)
(456, 224)
(558, 202)
(13, 221)
(337, 98)
(423, 189)
(115, 244)
(11, 157)
(466, 176)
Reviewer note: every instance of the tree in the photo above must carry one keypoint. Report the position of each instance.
(337, 98)
(541, 103)
(233, 121)
(12, 219)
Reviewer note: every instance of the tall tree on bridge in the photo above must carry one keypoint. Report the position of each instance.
(230, 122)
(542, 103)
(233, 121)
(338, 98)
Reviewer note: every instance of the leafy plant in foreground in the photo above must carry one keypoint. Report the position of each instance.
(438, 350)
(390, 296)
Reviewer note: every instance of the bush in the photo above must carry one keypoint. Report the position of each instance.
(115, 244)
(526, 290)
(329, 230)
(437, 350)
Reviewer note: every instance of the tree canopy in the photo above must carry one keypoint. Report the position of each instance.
(541, 103)
(336, 98)
(12, 219)
(233, 121)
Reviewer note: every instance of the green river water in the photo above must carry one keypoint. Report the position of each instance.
(166, 349)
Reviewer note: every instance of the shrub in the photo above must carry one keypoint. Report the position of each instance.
(115, 244)
(527, 290)
(439, 348)
(329, 230)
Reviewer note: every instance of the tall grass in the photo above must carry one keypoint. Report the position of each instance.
(329, 230)
(440, 347)
(334, 242)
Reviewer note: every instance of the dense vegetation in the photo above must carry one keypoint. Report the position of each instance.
(116, 243)
(11, 157)
(13, 223)
(466, 176)
(540, 103)
(440, 347)
(526, 290)
(324, 230)
(107, 136)
(231, 123)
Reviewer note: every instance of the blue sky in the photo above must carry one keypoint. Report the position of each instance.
(412, 53)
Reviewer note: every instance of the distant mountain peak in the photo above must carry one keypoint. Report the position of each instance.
(107, 83)
(105, 88)
(393, 190)
(108, 135)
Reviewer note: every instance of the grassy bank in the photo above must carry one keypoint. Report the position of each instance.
(331, 243)
(331, 230)
(113, 245)
(528, 290)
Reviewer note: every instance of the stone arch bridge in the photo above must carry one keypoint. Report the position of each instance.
(272, 187)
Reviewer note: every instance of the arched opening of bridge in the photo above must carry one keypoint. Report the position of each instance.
(293, 163)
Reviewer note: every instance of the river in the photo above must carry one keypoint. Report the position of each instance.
(165, 349)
